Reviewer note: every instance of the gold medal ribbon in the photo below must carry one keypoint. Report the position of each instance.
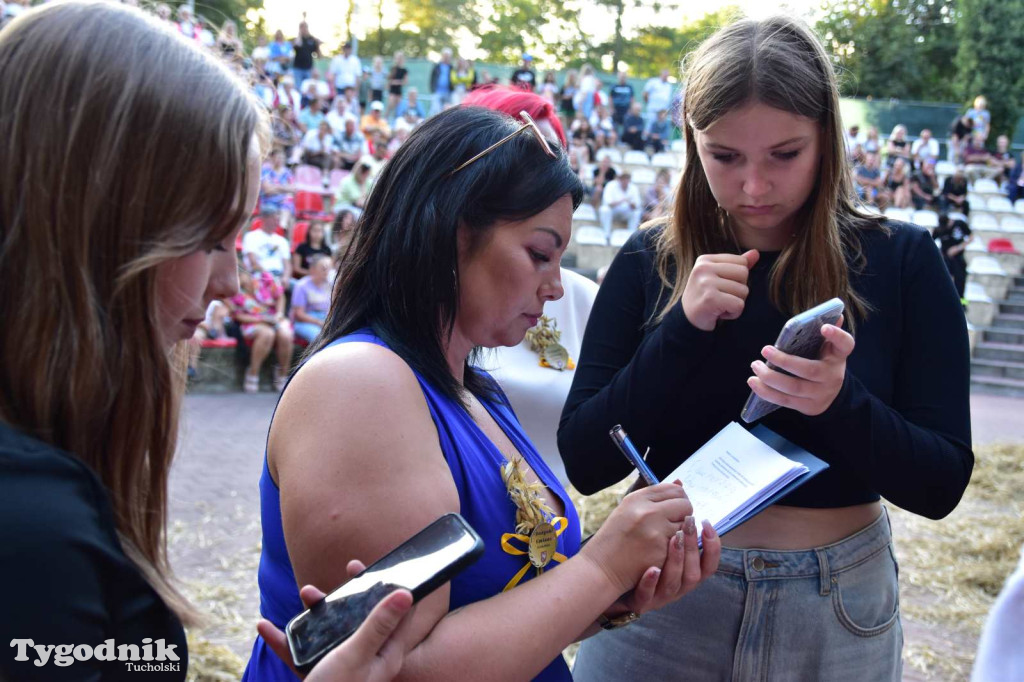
(560, 523)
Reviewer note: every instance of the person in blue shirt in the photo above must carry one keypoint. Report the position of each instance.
(441, 82)
(410, 103)
(389, 424)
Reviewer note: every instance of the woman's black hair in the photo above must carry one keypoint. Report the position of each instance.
(401, 277)
(309, 234)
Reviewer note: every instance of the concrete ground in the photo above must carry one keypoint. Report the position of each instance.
(214, 502)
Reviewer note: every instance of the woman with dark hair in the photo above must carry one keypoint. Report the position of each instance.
(388, 424)
(314, 243)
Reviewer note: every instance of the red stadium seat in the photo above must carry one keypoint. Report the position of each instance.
(1001, 245)
(310, 206)
(299, 233)
(222, 342)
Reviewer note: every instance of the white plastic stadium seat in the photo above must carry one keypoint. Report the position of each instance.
(1012, 223)
(982, 221)
(635, 157)
(986, 185)
(619, 237)
(927, 219)
(614, 154)
(644, 176)
(1018, 206)
(977, 201)
(590, 234)
(1000, 204)
(664, 160)
(585, 213)
(985, 265)
(977, 244)
(902, 214)
(679, 146)
(974, 291)
(944, 168)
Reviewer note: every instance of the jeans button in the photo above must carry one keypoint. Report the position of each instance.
(757, 563)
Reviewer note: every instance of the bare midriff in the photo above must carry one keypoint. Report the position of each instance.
(793, 528)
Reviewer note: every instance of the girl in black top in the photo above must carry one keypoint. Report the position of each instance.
(763, 228)
(311, 246)
(106, 278)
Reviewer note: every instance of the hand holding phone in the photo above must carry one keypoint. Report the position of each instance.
(806, 367)
(717, 288)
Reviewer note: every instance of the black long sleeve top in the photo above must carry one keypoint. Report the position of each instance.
(66, 579)
(899, 428)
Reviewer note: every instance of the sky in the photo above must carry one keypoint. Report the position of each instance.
(326, 17)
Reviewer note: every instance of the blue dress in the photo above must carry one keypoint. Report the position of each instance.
(475, 467)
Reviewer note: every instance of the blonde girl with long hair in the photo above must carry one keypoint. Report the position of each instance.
(124, 184)
(764, 227)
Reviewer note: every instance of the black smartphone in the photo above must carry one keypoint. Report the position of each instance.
(421, 564)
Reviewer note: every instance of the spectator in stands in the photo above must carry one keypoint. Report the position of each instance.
(212, 327)
(411, 104)
(897, 181)
(352, 103)
(311, 298)
(319, 148)
(898, 147)
(341, 235)
(262, 84)
(980, 117)
(378, 78)
(588, 87)
(397, 79)
(315, 243)
(163, 12)
(187, 25)
(872, 144)
(374, 121)
(925, 148)
(869, 182)
(959, 134)
(258, 308)
(315, 90)
(463, 79)
(549, 88)
(352, 145)
(338, 115)
(924, 186)
(353, 190)
(1015, 184)
(567, 95)
(311, 117)
(978, 160)
(228, 43)
(277, 186)
(633, 128)
(524, 77)
(264, 250)
(286, 131)
(954, 193)
(1002, 159)
(657, 196)
(953, 237)
(306, 48)
(289, 95)
(345, 69)
(854, 143)
(601, 120)
(441, 82)
(622, 99)
(602, 175)
(399, 138)
(658, 95)
(658, 132)
(281, 55)
(620, 202)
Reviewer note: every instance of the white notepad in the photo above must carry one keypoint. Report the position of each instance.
(732, 475)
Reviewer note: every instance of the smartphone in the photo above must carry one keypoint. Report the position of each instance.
(421, 564)
(800, 336)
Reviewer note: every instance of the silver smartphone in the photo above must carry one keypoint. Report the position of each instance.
(421, 564)
(800, 336)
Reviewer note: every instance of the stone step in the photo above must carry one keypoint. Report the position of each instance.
(1003, 335)
(1011, 308)
(998, 385)
(1015, 294)
(1018, 281)
(1007, 352)
(1008, 321)
(997, 368)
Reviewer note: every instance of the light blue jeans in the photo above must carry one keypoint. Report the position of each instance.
(308, 330)
(830, 614)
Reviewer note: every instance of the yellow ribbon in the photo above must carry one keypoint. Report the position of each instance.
(559, 523)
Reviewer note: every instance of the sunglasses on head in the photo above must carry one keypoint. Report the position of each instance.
(529, 126)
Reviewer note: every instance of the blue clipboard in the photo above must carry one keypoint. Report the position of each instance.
(788, 449)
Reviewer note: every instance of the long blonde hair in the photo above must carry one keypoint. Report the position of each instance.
(121, 154)
(779, 62)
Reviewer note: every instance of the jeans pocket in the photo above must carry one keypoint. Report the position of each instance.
(866, 596)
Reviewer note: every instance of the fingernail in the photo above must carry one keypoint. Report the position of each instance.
(679, 539)
(750, 382)
(709, 530)
(767, 351)
(657, 573)
(689, 526)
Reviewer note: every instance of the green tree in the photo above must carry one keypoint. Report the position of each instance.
(436, 22)
(990, 56)
(216, 12)
(892, 48)
(657, 47)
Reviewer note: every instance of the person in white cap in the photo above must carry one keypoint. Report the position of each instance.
(374, 121)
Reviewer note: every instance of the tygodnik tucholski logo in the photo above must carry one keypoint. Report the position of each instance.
(151, 656)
